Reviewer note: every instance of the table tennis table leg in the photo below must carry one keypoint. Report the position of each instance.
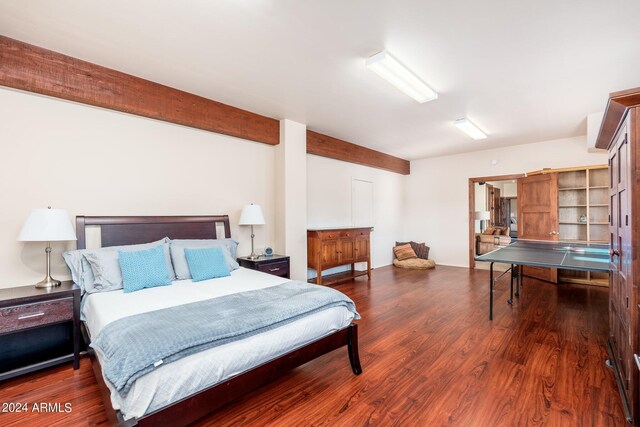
(518, 277)
(491, 291)
(511, 289)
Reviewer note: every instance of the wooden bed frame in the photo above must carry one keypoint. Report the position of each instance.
(128, 230)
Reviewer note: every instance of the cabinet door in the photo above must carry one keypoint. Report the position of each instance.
(538, 216)
(620, 296)
(346, 250)
(329, 252)
(614, 263)
(362, 248)
(624, 230)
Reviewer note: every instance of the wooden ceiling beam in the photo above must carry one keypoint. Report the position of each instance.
(34, 69)
(333, 148)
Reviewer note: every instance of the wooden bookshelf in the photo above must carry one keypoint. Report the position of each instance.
(583, 211)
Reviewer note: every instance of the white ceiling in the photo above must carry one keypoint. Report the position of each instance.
(524, 71)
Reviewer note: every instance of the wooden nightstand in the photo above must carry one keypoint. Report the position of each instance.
(38, 328)
(278, 265)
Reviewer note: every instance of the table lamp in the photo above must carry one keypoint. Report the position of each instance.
(482, 216)
(252, 215)
(47, 225)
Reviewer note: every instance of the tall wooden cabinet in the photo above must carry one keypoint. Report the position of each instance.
(577, 212)
(620, 134)
(327, 248)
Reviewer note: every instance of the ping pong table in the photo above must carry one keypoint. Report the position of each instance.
(551, 254)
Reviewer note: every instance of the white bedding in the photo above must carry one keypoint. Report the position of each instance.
(186, 376)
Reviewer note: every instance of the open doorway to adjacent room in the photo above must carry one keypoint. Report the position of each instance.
(493, 213)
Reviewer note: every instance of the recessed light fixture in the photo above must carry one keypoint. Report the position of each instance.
(470, 129)
(390, 69)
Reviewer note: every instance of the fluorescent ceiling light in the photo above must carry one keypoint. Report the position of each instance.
(470, 129)
(388, 67)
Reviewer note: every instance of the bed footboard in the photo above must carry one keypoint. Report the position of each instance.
(198, 405)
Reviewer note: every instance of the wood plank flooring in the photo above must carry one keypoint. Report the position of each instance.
(430, 357)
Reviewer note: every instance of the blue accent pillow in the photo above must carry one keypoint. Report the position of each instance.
(206, 263)
(143, 269)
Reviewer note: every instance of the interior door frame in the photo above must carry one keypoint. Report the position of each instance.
(472, 208)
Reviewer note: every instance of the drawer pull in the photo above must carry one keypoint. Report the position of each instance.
(30, 316)
(274, 269)
(637, 359)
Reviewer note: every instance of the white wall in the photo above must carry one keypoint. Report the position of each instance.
(329, 201)
(509, 189)
(92, 161)
(438, 213)
(99, 162)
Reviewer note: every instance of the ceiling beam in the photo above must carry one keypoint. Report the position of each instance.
(327, 146)
(34, 69)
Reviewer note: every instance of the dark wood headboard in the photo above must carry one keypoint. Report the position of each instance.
(130, 230)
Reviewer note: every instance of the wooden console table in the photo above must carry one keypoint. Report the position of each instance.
(327, 248)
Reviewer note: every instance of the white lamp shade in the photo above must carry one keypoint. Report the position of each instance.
(251, 215)
(480, 215)
(47, 225)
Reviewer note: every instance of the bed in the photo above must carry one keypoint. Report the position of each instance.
(183, 391)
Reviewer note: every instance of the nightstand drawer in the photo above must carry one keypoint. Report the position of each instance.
(41, 313)
(275, 268)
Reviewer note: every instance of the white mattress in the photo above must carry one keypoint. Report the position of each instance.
(193, 373)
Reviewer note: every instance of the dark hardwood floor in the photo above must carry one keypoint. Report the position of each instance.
(430, 357)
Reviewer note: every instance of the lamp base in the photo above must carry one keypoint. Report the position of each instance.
(48, 282)
(253, 257)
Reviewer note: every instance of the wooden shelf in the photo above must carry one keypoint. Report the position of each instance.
(584, 206)
(589, 281)
(344, 276)
(583, 223)
(596, 187)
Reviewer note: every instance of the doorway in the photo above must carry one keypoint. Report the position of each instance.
(492, 203)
